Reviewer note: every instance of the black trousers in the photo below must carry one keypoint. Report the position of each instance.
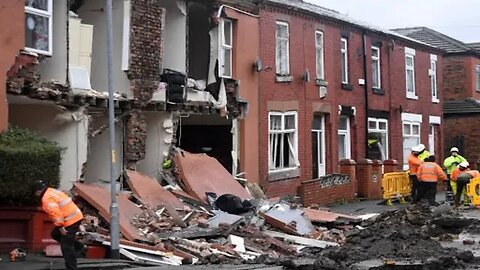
(427, 191)
(69, 244)
(461, 184)
(415, 185)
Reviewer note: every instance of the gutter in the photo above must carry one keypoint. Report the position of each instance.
(365, 74)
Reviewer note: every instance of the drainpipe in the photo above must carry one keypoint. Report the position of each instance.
(365, 73)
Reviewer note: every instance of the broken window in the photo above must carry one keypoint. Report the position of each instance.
(225, 54)
(344, 151)
(283, 148)
(319, 54)
(318, 146)
(38, 26)
(377, 138)
(281, 50)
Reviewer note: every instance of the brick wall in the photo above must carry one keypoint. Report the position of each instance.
(460, 77)
(306, 94)
(147, 19)
(464, 130)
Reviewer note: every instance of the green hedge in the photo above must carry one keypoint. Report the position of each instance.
(24, 158)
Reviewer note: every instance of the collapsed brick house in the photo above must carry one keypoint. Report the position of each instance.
(461, 90)
(335, 89)
(59, 91)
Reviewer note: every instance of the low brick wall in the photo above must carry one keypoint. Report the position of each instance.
(331, 188)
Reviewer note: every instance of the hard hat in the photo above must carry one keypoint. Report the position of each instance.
(464, 164)
(454, 149)
(416, 148)
(421, 147)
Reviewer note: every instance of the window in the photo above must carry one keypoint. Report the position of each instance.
(344, 138)
(411, 137)
(283, 147)
(377, 138)
(431, 139)
(376, 79)
(410, 72)
(477, 68)
(225, 55)
(281, 52)
(344, 50)
(433, 77)
(318, 146)
(38, 26)
(319, 54)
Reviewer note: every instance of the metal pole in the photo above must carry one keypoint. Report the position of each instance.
(114, 213)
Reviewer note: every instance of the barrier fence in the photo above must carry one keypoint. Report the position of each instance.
(396, 185)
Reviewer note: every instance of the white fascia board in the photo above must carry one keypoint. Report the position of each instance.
(412, 117)
(435, 120)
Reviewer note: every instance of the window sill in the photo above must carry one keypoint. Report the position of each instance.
(378, 91)
(321, 82)
(283, 174)
(435, 100)
(412, 97)
(35, 51)
(347, 86)
(283, 78)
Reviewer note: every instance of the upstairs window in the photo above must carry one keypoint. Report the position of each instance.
(282, 58)
(225, 55)
(410, 73)
(477, 69)
(344, 59)
(319, 55)
(376, 75)
(38, 26)
(433, 78)
(283, 146)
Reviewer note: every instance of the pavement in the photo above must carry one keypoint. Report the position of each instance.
(40, 262)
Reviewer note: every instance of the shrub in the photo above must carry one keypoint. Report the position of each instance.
(24, 158)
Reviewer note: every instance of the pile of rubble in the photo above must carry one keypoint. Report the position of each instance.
(210, 218)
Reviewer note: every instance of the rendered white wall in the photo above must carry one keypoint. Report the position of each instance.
(59, 126)
(158, 142)
(92, 13)
(55, 66)
(175, 36)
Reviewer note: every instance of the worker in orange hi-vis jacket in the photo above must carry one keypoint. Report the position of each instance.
(428, 175)
(462, 175)
(414, 162)
(66, 217)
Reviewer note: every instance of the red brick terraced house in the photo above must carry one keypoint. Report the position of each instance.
(461, 90)
(335, 89)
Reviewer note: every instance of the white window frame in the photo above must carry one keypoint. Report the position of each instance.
(433, 78)
(224, 47)
(410, 53)
(321, 146)
(279, 65)
(346, 133)
(126, 35)
(294, 145)
(411, 135)
(431, 139)
(477, 75)
(320, 57)
(377, 129)
(47, 14)
(376, 62)
(344, 57)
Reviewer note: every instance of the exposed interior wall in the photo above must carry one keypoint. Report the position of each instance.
(158, 141)
(210, 134)
(91, 12)
(55, 67)
(98, 165)
(175, 36)
(10, 42)
(198, 40)
(68, 129)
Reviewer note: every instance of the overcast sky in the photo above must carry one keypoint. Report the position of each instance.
(459, 19)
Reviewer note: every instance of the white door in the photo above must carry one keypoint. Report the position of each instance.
(318, 146)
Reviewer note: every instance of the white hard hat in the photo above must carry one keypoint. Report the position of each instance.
(421, 147)
(416, 148)
(464, 164)
(454, 149)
